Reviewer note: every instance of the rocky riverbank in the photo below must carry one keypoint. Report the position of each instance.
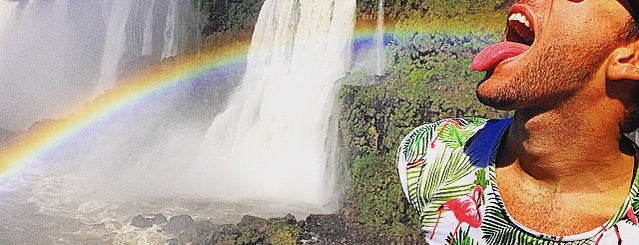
(315, 229)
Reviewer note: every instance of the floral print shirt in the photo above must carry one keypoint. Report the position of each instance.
(447, 172)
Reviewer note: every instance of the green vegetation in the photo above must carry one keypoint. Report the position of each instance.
(223, 17)
(428, 77)
(283, 233)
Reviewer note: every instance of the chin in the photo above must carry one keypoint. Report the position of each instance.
(495, 97)
(497, 103)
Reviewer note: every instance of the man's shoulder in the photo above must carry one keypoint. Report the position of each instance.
(446, 133)
(433, 165)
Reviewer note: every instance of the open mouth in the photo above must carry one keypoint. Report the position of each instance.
(520, 29)
(520, 36)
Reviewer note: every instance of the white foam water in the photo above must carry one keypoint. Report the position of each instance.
(115, 43)
(7, 10)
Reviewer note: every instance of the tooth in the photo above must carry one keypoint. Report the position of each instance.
(518, 16)
(522, 18)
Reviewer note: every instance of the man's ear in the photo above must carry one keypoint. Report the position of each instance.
(624, 63)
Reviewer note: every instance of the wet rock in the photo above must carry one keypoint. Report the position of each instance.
(290, 219)
(324, 228)
(199, 233)
(316, 229)
(252, 230)
(140, 221)
(159, 219)
(172, 241)
(179, 224)
(225, 233)
(249, 220)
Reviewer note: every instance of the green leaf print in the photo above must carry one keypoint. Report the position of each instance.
(453, 135)
(481, 180)
(462, 238)
(441, 184)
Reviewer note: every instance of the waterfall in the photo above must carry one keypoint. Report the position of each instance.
(115, 44)
(274, 141)
(147, 43)
(379, 40)
(7, 10)
(170, 48)
(58, 54)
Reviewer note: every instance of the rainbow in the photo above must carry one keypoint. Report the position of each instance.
(45, 138)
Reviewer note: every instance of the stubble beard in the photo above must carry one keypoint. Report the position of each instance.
(556, 74)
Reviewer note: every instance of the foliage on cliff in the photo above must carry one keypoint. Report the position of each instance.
(442, 8)
(224, 17)
(439, 13)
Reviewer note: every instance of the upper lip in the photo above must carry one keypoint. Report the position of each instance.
(512, 34)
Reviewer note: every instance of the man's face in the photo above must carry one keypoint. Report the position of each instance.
(552, 49)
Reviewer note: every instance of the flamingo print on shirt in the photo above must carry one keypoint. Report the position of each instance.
(465, 209)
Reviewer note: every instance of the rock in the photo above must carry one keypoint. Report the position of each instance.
(290, 219)
(179, 224)
(139, 221)
(324, 228)
(199, 233)
(252, 222)
(223, 234)
(252, 230)
(249, 220)
(172, 241)
(159, 219)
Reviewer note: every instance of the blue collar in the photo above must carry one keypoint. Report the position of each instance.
(483, 146)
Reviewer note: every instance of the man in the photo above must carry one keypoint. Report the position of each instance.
(561, 170)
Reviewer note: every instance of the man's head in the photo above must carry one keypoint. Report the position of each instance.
(554, 49)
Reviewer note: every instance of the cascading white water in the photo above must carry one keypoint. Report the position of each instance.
(7, 10)
(272, 142)
(169, 31)
(58, 54)
(147, 43)
(115, 43)
(379, 40)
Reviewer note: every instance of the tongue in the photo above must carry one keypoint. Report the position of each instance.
(491, 56)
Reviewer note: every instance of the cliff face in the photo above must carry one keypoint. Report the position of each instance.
(428, 77)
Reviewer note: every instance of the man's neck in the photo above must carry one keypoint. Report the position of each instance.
(568, 149)
(553, 162)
